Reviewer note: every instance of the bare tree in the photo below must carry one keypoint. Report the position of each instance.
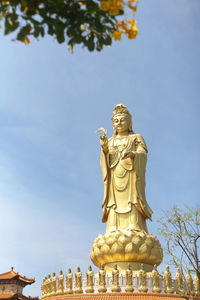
(181, 231)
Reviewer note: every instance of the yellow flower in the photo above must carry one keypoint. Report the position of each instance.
(10, 22)
(113, 11)
(132, 33)
(132, 23)
(134, 8)
(5, 2)
(105, 5)
(122, 25)
(25, 9)
(117, 35)
(26, 40)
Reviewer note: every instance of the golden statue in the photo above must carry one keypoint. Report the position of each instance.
(125, 209)
(69, 282)
(190, 286)
(129, 280)
(48, 285)
(102, 280)
(156, 280)
(43, 287)
(179, 281)
(123, 163)
(90, 281)
(197, 285)
(60, 290)
(142, 280)
(78, 278)
(54, 284)
(168, 281)
(115, 280)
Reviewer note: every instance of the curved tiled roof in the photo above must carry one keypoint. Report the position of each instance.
(8, 296)
(15, 275)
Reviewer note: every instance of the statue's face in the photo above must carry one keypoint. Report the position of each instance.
(121, 123)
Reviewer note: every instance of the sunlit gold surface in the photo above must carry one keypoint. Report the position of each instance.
(60, 290)
(126, 247)
(156, 280)
(69, 282)
(102, 280)
(190, 285)
(125, 209)
(78, 278)
(142, 280)
(90, 281)
(179, 281)
(129, 280)
(196, 285)
(115, 280)
(168, 281)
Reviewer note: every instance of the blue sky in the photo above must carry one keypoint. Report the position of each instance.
(52, 102)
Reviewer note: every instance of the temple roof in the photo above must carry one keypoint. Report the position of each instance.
(8, 296)
(16, 296)
(15, 275)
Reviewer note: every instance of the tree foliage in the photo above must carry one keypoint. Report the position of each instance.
(92, 23)
(181, 231)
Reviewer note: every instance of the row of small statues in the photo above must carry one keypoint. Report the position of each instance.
(51, 288)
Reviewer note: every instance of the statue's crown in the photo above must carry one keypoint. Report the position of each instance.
(120, 109)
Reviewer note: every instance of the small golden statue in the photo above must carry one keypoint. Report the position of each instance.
(90, 281)
(156, 280)
(129, 280)
(115, 280)
(168, 281)
(197, 285)
(179, 281)
(49, 285)
(78, 278)
(54, 284)
(69, 282)
(60, 290)
(142, 280)
(102, 280)
(43, 287)
(190, 286)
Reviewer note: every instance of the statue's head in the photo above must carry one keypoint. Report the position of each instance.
(54, 274)
(69, 270)
(90, 268)
(78, 269)
(115, 267)
(49, 275)
(121, 119)
(61, 272)
(102, 267)
(167, 268)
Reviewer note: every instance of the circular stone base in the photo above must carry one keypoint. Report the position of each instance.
(126, 246)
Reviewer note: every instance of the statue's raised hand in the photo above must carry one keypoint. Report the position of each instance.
(103, 139)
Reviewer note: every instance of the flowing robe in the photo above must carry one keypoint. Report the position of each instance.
(124, 205)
